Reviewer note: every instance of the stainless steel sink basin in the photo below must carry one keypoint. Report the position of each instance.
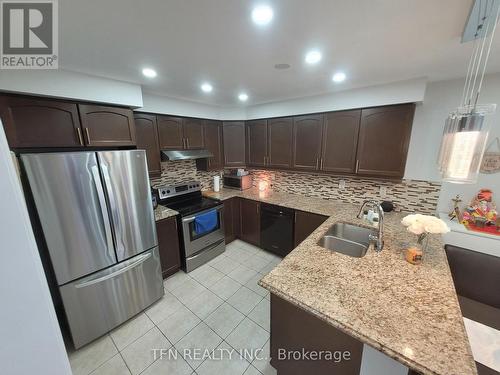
(347, 239)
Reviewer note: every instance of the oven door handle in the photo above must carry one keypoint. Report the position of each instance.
(190, 219)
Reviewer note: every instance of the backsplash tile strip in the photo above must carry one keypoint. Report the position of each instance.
(173, 172)
(408, 195)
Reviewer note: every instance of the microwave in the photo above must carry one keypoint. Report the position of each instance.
(237, 182)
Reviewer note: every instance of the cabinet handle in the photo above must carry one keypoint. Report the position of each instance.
(258, 207)
(357, 166)
(87, 133)
(321, 164)
(79, 134)
(187, 142)
(317, 163)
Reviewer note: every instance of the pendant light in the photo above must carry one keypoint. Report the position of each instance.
(466, 129)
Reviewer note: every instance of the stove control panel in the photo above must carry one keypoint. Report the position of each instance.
(169, 191)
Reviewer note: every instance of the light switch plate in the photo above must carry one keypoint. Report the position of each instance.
(342, 184)
(383, 191)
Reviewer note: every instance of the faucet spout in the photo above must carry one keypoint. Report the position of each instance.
(379, 238)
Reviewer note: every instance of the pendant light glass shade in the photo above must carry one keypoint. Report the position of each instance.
(464, 141)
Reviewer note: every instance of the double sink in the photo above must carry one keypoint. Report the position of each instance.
(348, 239)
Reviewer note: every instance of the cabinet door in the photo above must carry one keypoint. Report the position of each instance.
(212, 132)
(250, 221)
(170, 133)
(307, 131)
(340, 141)
(168, 243)
(193, 133)
(228, 220)
(257, 143)
(305, 224)
(107, 126)
(147, 139)
(280, 134)
(383, 140)
(30, 122)
(234, 143)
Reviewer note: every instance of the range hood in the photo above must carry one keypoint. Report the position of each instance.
(167, 155)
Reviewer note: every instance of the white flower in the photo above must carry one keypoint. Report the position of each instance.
(436, 226)
(419, 224)
(416, 228)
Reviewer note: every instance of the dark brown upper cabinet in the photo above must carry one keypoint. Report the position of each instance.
(147, 139)
(234, 143)
(307, 133)
(212, 133)
(33, 122)
(384, 137)
(178, 133)
(257, 143)
(193, 133)
(170, 132)
(340, 141)
(280, 136)
(250, 221)
(107, 126)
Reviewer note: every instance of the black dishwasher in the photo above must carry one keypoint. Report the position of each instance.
(276, 229)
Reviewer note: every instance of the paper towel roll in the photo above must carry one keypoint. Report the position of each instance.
(216, 183)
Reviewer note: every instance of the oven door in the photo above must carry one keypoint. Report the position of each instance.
(193, 242)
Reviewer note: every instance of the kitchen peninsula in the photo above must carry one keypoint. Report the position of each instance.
(410, 313)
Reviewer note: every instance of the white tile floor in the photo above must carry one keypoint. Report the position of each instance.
(219, 305)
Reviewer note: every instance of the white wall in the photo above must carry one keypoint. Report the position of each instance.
(440, 99)
(72, 85)
(172, 106)
(393, 93)
(30, 335)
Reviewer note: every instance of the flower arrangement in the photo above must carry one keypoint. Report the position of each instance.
(422, 226)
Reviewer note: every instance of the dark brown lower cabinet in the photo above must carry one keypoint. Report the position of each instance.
(313, 335)
(250, 221)
(168, 243)
(305, 224)
(229, 220)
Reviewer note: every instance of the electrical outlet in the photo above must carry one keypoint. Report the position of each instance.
(342, 184)
(383, 191)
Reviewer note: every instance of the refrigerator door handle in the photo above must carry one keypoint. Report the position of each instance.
(120, 247)
(104, 211)
(127, 266)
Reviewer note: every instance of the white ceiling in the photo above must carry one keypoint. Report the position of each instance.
(190, 41)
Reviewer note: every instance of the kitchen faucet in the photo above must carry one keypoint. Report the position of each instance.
(377, 239)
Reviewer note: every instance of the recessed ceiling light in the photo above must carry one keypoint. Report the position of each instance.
(243, 97)
(313, 57)
(206, 87)
(338, 77)
(262, 14)
(148, 72)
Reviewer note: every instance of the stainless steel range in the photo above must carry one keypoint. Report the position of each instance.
(199, 245)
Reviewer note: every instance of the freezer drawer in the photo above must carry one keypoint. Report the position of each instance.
(98, 303)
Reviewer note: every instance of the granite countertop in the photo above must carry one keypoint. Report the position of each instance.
(410, 313)
(162, 212)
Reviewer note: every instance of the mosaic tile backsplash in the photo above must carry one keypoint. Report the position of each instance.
(408, 195)
(174, 172)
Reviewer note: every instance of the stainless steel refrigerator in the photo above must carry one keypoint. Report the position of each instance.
(97, 218)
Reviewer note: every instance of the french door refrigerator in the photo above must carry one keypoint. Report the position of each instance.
(97, 218)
